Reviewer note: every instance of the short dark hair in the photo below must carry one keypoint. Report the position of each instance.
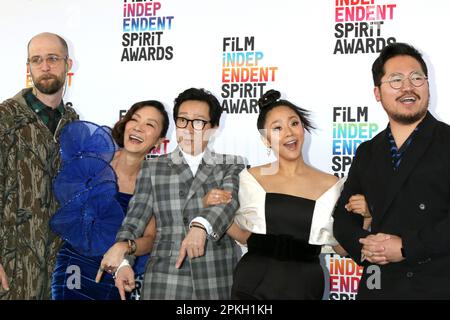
(215, 109)
(61, 40)
(393, 50)
(119, 128)
(270, 100)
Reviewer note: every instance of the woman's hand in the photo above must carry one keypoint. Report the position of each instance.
(124, 280)
(215, 197)
(238, 234)
(112, 259)
(358, 204)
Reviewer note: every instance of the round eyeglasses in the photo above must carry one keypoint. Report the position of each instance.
(395, 80)
(197, 124)
(51, 60)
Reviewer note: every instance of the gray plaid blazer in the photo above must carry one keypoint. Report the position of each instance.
(167, 189)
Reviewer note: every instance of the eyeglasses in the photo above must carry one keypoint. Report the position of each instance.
(51, 60)
(197, 124)
(395, 80)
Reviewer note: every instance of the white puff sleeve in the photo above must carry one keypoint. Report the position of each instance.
(250, 215)
(322, 221)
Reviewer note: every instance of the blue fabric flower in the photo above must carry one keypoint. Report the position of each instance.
(86, 187)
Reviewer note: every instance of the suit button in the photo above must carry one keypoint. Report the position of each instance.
(181, 193)
(185, 220)
(409, 274)
(422, 206)
(424, 261)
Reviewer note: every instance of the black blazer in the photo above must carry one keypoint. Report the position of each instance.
(413, 203)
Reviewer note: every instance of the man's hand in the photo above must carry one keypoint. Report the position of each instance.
(3, 279)
(193, 245)
(124, 280)
(382, 248)
(215, 197)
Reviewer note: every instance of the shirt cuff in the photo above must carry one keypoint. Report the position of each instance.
(204, 223)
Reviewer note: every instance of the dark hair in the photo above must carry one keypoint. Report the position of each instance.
(215, 109)
(270, 100)
(393, 50)
(119, 128)
(61, 40)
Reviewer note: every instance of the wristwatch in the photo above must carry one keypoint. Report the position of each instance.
(131, 247)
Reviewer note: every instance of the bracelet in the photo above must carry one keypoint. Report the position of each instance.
(131, 247)
(200, 227)
(122, 264)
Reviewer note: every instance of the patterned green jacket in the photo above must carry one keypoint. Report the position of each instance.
(29, 159)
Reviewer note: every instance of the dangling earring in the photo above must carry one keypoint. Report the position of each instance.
(269, 150)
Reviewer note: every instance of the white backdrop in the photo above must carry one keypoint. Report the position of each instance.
(297, 41)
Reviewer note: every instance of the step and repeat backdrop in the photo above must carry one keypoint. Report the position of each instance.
(318, 54)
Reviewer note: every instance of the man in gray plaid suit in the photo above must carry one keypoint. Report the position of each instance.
(172, 188)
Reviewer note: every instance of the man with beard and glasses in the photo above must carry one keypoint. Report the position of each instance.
(30, 124)
(404, 175)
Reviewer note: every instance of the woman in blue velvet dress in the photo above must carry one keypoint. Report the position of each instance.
(92, 211)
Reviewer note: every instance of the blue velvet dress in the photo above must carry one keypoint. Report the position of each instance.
(74, 274)
(90, 214)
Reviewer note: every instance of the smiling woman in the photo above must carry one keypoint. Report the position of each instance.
(142, 128)
(287, 206)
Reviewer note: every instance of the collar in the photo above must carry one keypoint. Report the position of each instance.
(408, 140)
(190, 159)
(193, 161)
(208, 157)
(37, 105)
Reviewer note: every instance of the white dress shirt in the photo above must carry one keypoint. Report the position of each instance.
(194, 163)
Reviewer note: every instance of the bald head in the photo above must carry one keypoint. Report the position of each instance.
(52, 39)
(48, 73)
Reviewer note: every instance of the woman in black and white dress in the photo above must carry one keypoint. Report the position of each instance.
(287, 206)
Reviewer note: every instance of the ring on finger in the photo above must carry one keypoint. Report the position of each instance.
(109, 269)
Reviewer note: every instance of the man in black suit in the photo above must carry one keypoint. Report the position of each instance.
(404, 174)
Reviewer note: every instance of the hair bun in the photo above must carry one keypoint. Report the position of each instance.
(268, 98)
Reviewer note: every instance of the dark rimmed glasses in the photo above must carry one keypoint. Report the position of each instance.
(197, 124)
